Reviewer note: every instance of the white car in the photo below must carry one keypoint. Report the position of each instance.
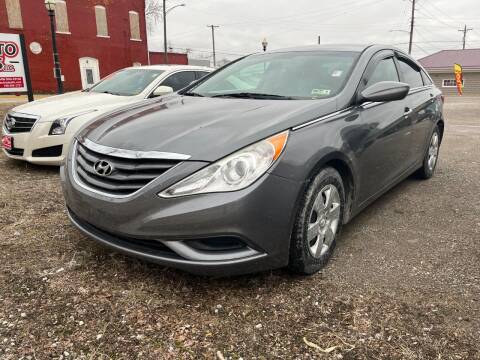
(40, 132)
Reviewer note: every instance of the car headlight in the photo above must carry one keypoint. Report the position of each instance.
(234, 172)
(59, 126)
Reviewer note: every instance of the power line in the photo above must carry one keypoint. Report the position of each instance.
(431, 16)
(324, 12)
(331, 16)
(422, 49)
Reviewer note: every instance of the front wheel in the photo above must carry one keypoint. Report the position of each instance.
(318, 222)
(431, 157)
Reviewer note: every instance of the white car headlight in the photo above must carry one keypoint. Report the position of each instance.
(59, 126)
(234, 172)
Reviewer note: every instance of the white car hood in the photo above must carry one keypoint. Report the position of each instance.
(54, 107)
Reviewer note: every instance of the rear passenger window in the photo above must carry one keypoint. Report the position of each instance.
(384, 71)
(411, 75)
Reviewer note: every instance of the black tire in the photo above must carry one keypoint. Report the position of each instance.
(426, 171)
(301, 259)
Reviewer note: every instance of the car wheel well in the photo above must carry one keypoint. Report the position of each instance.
(348, 181)
(441, 128)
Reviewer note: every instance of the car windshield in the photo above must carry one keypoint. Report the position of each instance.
(128, 82)
(289, 75)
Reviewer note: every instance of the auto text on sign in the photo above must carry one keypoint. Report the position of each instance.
(12, 72)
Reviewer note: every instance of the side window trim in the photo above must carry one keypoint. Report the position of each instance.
(377, 62)
(372, 64)
(400, 56)
(427, 80)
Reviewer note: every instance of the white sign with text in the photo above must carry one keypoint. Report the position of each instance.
(12, 70)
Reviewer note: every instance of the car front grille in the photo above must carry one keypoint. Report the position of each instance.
(140, 245)
(19, 123)
(127, 175)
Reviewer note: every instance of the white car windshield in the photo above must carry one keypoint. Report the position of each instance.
(128, 82)
(289, 75)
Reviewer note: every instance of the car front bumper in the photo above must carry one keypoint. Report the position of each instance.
(38, 147)
(160, 230)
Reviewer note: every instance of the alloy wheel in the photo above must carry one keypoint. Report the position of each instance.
(433, 151)
(323, 221)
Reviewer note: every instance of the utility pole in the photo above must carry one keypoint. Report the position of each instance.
(213, 42)
(465, 30)
(165, 55)
(412, 24)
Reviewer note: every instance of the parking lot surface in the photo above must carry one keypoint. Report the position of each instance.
(404, 282)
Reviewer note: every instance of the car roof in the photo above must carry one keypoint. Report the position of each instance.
(337, 47)
(172, 67)
(329, 47)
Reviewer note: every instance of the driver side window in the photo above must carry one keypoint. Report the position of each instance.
(179, 80)
(385, 70)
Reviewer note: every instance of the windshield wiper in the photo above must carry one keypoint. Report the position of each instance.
(249, 95)
(110, 93)
(191, 93)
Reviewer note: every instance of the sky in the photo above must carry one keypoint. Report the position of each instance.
(287, 23)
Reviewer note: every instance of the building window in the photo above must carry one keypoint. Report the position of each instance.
(101, 19)
(134, 26)
(450, 83)
(61, 17)
(14, 14)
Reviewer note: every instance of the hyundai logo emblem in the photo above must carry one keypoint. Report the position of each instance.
(9, 122)
(103, 168)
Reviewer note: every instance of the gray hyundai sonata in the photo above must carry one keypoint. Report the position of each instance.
(258, 165)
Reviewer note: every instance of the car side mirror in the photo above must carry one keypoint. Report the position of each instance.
(385, 91)
(162, 90)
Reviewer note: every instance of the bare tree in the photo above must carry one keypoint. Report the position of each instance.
(153, 13)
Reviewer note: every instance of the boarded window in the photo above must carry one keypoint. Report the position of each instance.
(14, 14)
(61, 16)
(101, 18)
(134, 25)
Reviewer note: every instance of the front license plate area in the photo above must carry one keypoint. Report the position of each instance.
(7, 142)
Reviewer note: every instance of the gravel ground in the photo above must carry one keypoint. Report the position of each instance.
(404, 282)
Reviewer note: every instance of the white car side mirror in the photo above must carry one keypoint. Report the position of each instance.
(162, 90)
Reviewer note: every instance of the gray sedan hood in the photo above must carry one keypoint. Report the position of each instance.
(205, 128)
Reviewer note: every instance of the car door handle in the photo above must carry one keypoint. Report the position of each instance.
(408, 111)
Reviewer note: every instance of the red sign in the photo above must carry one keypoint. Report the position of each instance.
(11, 82)
(7, 142)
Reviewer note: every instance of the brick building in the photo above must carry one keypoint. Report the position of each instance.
(156, 58)
(440, 68)
(94, 38)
